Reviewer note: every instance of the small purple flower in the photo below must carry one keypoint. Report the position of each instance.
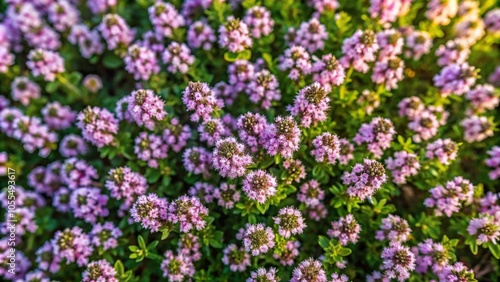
(24, 218)
(230, 159)
(45, 63)
(197, 160)
(116, 32)
(201, 35)
(326, 148)
(359, 49)
(203, 191)
(258, 239)
(262, 274)
(225, 92)
(226, 195)
(444, 150)
(141, 62)
(485, 228)
(178, 58)
(453, 52)
(234, 35)
(61, 200)
(311, 105)
(387, 11)
(295, 171)
(151, 211)
(46, 259)
(398, 262)
(77, 173)
(346, 151)
(150, 148)
(100, 6)
(346, 229)
(417, 43)
(430, 254)
(451, 197)
(494, 162)
(88, 204)
(282, 137)
(482, 98)
(24, 90)
(177, 268)
(259, 186)
(297, 61)
(310, 270)
(455, 79)
(188, 212)
(240, 73)
(440, 12)
(365, 179)
(92, 83)
(328, 72)
(477, 128)
(259, 21)
(402, 166)
(410, 107)
(100, 270)
(63, 15)
(388, 71)
(263, 89)
(89, 42)
(146, 108)
(189, 245)
(123, 183)
(6, 59)
(492, 22)
(339, 277)
(176, 135)
(322, 6)
(251, 127)
(310, 193)
(200, 98)
(237, 258)
(393, 228)
(288, 254)
(311, 35)
(456, 272)
(72, 245)
(211, 130)
(105, 235)
(378, 134)
(57, 116)
(165, 18)
(98, 126)
(72, 146)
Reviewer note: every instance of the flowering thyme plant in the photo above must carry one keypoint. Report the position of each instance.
(249, 140)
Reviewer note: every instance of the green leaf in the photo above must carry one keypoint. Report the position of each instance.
(119, 267)
(51, 87)
(141, 242)
(133, 248)
(323, 242)
(495, 250)
(230, 57)
(473, 247)
(153, 245)
(164, 234)
(112, 61)
(344, 252)
(216, 244)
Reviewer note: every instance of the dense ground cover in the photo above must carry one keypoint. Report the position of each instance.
(249, 140)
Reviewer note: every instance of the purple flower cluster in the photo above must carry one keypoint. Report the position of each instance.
(24, 90)
(297, 61)
(494, 162)
(402, 166)
(443, 150)
(450, 198)
(98, 126)
(45, 63)
(234, 35)
(150, 148)
(229, 158)
(398, 262)
(258, 239)
(100, 270)
(200, 98)
(328, 72)
(346, 229)
(326, 148)
(165, 19)
(455, 79)
(116, 32)
(259, 21)
(123, 183)
(290, 222)
(365, 179)
(359, 49)
(146, 108)
(141, 62)
(393, 228)
(311, 105)
(282, 137)
(178, 58)
(377, 134)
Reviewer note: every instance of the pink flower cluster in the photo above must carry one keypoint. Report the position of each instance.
(450, 198)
